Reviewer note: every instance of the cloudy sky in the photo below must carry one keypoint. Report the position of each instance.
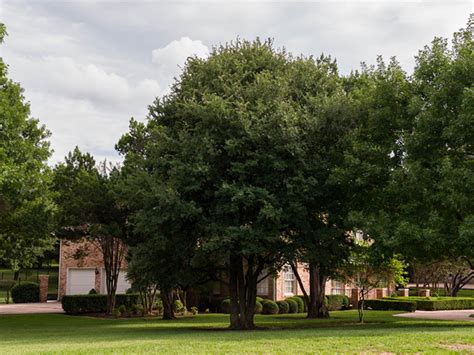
(88, 66)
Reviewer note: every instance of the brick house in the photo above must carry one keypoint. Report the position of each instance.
(81, 269)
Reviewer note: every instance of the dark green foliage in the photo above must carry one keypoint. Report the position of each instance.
(299, 301)
(337, 302)
(26, 198)
(439, 303)
(391, 305)
(26, 292)
(304, 303)
(79, 304)
(93, 291)
(293, 306)
(283, 307)
(270, 307)
(258, 307)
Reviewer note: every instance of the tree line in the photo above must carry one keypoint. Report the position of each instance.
(258, 159)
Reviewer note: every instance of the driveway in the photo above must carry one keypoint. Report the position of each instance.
(440, 315)
(31, 308)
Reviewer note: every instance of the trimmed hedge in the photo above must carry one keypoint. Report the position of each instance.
(337, 302)
(78, 304)
(390, 305)
(299, 302)
(26, 292)
(225, 306)
(440, 303)
(283, 307)
(293, 306)
(305, 308)
(270, 307)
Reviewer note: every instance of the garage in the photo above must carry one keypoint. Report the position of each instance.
(80, 281)
(122, 283)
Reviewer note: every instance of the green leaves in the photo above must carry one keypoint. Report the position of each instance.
(26, 199)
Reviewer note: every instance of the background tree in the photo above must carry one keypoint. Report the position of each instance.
(222, 144)
(368, 269)
(316, 202)
(427, 213)
(92, 210)
(26, 200)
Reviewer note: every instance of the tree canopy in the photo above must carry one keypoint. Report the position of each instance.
(26, 201)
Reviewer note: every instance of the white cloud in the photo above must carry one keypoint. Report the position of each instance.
(171, 58)
(86, 67)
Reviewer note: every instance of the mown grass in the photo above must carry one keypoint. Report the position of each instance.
(207, 333)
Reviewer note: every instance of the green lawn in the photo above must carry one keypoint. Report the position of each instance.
(207, 334)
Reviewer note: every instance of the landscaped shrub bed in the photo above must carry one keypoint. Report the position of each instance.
(26, 292)
(78, 304)
(283, 307)
(440, 303)
(391, 305)
(293, 306)
(299, 301)
(270, 307)
(337, 302)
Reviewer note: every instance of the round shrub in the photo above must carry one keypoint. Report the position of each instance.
(283, 307)
(92, 292)
(299, 302)
(259, 299)
(225, 306)
(293, 306)
(345, 302)
(258, 307)
(26, 292)
(270, 307)
(305, 308)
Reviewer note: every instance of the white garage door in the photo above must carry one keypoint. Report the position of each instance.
(80, 281)
(122, 283)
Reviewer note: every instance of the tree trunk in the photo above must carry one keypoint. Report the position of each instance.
(360, 305)
(317, 286)
(167, 298)
(243, 292)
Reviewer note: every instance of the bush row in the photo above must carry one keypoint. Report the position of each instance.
(78, 304)
(439, 303)
(390, 305)
(294, 304)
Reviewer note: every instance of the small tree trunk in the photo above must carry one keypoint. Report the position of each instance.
(360, 305)
(243, 293)
(317, 306)
(167, 298)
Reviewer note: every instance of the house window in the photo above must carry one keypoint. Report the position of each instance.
(288, 281)
(262, 286)
(337, 287)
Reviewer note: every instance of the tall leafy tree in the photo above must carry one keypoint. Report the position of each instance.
(222, 145)
(317, 206)
(435, 219)
(26, 199)
(91, 209)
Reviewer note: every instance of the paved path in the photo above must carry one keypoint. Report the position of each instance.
(31, 308)
(441, 315)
